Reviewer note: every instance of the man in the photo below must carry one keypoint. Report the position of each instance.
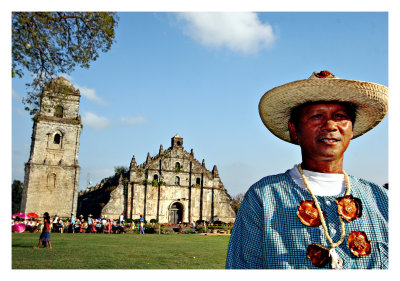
(121, 219)
(141, 225)
(55, 223)
(72, 223)
(89, 223)
(314, 215)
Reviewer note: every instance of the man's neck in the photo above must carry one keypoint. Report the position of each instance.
(329, 167)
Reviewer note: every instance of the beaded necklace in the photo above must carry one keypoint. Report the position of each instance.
(337, 262)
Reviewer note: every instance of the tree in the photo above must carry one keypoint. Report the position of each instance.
(236, 201)
(120, 170)
(47, 44)
(16, 196)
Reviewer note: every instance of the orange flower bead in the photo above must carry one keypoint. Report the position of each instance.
(359, 244)
(308, 213)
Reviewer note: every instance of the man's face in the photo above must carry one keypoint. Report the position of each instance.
(323, 132)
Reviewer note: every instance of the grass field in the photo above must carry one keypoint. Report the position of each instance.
(120, 251)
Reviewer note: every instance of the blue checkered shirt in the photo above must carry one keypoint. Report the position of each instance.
(268, 234)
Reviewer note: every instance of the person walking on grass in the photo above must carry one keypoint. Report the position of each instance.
(45, 236)
(141, 225)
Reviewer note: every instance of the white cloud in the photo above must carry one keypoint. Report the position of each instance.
(133, 120)
(92, 120)
(21, 112)
(15, 95)
(239, 32)
(90, 94)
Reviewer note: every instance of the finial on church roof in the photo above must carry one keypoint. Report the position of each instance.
(161, 149)
(133, 162)
(215, 172)
(148, 157)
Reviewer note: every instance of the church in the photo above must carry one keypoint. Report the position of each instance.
(170, 187)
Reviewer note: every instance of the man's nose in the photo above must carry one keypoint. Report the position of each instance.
(330, 125)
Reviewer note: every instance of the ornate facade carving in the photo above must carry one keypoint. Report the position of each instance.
(171, 187)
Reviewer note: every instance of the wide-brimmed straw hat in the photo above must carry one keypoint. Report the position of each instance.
(370, 99)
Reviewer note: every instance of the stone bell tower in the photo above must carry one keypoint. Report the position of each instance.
(52, 172)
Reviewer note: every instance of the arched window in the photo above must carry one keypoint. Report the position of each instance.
(57, 138)
(177, 181)
(178, 167)
(198, 181)
(155, 180)
(59, 111)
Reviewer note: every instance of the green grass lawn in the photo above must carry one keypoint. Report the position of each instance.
(120, 251)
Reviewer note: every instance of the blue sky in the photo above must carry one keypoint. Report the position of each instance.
(201, 75)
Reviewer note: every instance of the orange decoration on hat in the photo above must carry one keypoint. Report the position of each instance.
(324, 74)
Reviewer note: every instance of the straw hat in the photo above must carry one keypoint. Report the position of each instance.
(371, 100)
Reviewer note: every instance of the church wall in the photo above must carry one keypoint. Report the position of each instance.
(195, 210)
(222, 207)
(196, 188)
(115, 205)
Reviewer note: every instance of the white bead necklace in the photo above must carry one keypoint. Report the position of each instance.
(337, 262)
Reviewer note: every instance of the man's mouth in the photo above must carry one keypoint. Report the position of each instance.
(328, 140)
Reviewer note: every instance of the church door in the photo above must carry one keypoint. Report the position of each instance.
(175, 213)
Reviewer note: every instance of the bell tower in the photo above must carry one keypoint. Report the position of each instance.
(177, 141)
(52, 172)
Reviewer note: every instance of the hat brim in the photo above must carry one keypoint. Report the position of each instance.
(371, 100)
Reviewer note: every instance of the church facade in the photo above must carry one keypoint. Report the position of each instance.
(170, 187)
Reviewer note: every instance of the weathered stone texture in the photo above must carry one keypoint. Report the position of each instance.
(170, 187)
(115, 205)
(52, 171)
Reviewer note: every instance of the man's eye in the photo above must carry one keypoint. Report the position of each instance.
(315, 116)
(342, 116)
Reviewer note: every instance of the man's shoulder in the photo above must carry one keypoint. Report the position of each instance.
(272, 180)
(363, 184)
(269, 183)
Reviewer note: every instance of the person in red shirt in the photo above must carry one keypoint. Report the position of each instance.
(45, 236)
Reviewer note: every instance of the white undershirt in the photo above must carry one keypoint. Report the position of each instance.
(321, 184)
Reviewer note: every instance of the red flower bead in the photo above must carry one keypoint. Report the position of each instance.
(318, 254)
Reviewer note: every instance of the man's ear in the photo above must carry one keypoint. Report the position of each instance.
(352, 132)
(292, 131)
